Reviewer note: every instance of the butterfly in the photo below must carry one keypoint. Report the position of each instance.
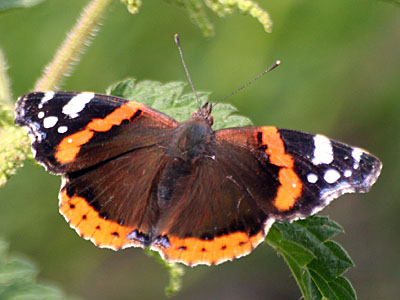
(134, 177)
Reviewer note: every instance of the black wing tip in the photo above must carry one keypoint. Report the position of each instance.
(20, 110)
(22, 105)
(375, 166)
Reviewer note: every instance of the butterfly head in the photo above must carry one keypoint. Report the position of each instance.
(204, 113)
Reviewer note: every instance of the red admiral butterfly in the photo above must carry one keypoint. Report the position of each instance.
(132, 176)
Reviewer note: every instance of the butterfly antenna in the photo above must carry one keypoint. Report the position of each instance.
(178, 44)
(276, 64)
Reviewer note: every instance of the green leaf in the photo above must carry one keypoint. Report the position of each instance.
(316, 262)
(8, 4)
(222, 8)
(18, 279)
(169, 99)
(247, 7)
(332, 255)
(343, 289)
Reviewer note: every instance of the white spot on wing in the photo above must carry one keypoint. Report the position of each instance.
(356, 154)
(323, 152)
(40, 115)
(312, 178)
(347, 173)
(49, 122)
(62, 129)
(47, 96)
(331, 176)
(77, 104)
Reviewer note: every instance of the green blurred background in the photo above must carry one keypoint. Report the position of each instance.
(340, 76)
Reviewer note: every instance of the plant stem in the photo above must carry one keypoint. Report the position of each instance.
(73, 45)
(5, 93)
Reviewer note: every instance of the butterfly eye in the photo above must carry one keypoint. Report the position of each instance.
(210, 120)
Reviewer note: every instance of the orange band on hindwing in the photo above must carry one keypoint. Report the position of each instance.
(70, 146)
(291, 187)
(90, 225)
(194, 251)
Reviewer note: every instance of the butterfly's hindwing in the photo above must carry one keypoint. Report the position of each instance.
(115, 194)
(216, 213)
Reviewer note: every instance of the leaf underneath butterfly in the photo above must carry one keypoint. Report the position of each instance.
(18, 279)
(169, 99)
(316, 262)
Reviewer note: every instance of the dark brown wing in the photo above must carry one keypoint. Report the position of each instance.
(112, 203)
(220, 206)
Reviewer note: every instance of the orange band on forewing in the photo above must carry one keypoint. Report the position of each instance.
(289, 190)
(193, 251)
(70, 146)
(87, 222)
(291, 187)
(125, 112)
(275, 147)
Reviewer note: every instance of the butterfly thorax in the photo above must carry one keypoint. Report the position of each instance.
(191, 140)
